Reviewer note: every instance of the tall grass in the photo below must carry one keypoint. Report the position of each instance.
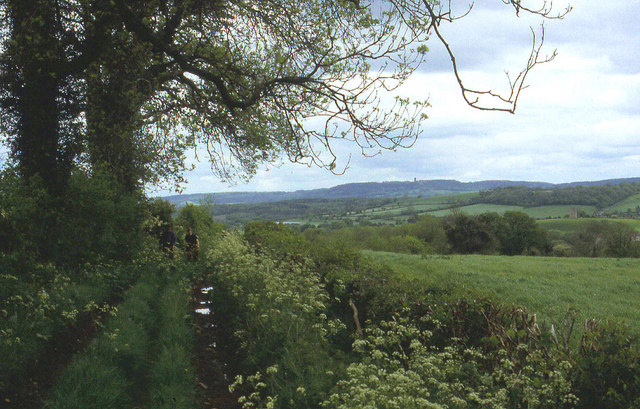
(143, 356)
(603, 288)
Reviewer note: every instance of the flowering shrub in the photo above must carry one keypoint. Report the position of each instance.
(400, 369)
(278, 311)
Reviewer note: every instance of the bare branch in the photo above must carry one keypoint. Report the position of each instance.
(472, 96)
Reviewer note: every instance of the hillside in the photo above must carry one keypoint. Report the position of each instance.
(378, 190)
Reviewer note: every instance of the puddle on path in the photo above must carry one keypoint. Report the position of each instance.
(204, 311)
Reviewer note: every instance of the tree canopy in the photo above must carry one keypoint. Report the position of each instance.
(128, 86)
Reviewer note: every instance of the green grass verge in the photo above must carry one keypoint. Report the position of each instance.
(173, 375)
(603, 288)
(143, 355)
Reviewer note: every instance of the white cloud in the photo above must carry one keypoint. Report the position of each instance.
(578, 120)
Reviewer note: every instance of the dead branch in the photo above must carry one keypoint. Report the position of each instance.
(472, 96)
(355, 318)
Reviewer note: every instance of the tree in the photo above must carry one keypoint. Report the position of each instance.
(39, 104)
(252, 81)
(517, 233)
(467, 234)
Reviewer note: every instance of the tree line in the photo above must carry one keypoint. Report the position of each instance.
(513, 233)
(599, 196)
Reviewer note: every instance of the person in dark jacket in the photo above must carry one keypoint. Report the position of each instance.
(168, 241)
(193, 245)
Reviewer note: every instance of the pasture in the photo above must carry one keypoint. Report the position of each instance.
(573, 225)
(627, 205)
(602, 288)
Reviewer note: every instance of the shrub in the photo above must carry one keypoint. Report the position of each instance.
(607, 367)
(278, 312)
(275, 237)
(401, 369)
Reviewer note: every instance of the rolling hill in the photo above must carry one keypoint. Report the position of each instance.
(377, 190)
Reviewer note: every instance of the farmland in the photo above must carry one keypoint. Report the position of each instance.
(573, 225)
(547, 286)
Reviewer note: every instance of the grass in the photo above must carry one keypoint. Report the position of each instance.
(573, 225)
(603, 288)
(478, 209)
(143, 357)
(541, 212)
(629, 203)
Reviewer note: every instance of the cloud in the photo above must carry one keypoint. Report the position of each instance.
(578, 120)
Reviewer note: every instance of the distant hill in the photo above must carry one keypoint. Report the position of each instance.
(377, 190)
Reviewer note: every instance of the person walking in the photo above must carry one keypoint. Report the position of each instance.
(168, 241)
(193, 245)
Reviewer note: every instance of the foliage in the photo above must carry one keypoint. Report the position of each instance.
(275, 237)
(599, 196)
(94, 221)
(467, 234)
(607, 368)
(35, 309)
(401, 369)
(199, 219)
(512, 233)
(143, 355)
(518, 233)
(278, 315)
(604, 238)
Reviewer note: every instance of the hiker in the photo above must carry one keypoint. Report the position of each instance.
(168, 241)
(193, 245)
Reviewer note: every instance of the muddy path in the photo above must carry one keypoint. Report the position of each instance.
(211, 362)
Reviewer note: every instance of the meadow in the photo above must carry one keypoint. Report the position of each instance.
(627, 205)
(602, 288)
(573, 225)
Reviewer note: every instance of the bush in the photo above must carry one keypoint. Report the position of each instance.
(93, 221)
(401, 369)
(278, 314)
(607, 367)
(277, 238)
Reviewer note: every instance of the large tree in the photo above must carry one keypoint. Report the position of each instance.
(251, 81)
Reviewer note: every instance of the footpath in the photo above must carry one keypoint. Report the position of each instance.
(156, 350)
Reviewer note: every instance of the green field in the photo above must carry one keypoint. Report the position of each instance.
(627, 204)
(573, 225)
(603, 288)
(539, 212)
(400, 210)
(478, 209)
(542, 212)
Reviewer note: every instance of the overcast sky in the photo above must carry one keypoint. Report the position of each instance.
(578, 120)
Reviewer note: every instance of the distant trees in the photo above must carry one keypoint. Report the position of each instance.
(468, 234)
(510, 234)
(518, 233)
(600, 238)
(598, 196)
(488, 233)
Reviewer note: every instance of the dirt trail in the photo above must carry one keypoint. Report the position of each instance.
(213, 382)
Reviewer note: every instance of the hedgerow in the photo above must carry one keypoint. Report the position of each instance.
(278, 312)
(418, 348)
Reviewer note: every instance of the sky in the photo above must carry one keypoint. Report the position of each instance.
(578, 120)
